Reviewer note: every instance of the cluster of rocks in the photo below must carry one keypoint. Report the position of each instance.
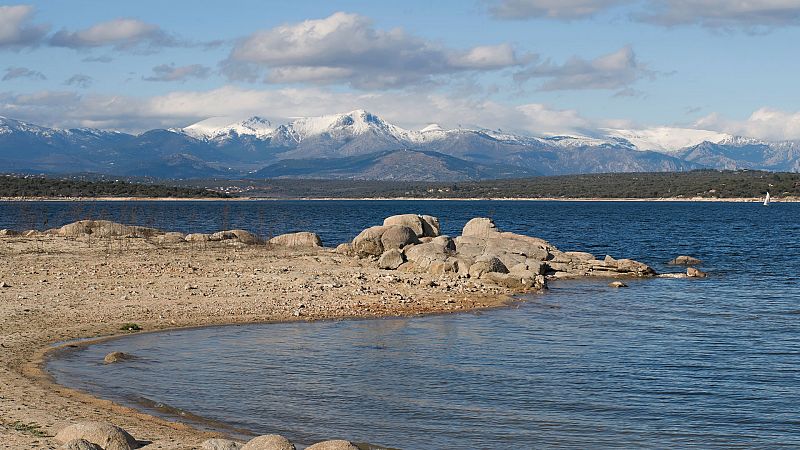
(413, 243)
(105, 436)
(108, 229)
(691, 272)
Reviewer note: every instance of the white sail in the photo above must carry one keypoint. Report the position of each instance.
(766, 200)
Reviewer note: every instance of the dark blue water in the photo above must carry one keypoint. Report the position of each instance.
(666, 363)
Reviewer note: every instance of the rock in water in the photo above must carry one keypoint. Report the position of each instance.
(691, 272)
(684, 260)
(268, 442)
(220, 444)
(116, 357)
(297, 240)
(333, 445)
(391, 259)
(80, 444)
(106, 435)
(617, 284)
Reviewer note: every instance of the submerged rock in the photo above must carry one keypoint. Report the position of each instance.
(268, 442)
(691, 272)
(684, 260)
(116, 357)
(106, 435)
(617, 284)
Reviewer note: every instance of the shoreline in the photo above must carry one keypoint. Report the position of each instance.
(526, 199)
(46, 314)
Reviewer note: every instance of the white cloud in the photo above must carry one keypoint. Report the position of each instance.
(13, 73)
(170, 72)
(553, 9)
(750, 15)
(347, 49)
(617, 70)
(764, 123)
(15, 28)
(180, 108)
(120, 33)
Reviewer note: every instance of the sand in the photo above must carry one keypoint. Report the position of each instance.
(58, 289)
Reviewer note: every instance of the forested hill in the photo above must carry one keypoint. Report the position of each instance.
(36, 186)
(700, 183)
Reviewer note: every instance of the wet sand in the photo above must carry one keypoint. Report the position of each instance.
(58, 289)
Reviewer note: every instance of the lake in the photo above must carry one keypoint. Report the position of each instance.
(712, 363)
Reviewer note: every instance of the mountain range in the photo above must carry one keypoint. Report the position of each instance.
(361, 145)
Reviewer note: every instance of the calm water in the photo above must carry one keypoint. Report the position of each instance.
(663, 364)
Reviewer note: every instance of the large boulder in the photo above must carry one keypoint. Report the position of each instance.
(423, 226)
(79, 444)
(300, 239)
(333, 445)
(439, 249)
(245, 237)
(269, 442)
(391, 259)
(106, 435)
(104, 229)
(487, 264)
(197, 237)
(398, 236)
(220, 444)
(481, 227)
(368, 242)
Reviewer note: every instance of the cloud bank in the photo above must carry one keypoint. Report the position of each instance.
(16, 31)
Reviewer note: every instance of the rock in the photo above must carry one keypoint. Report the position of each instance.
(106, 435)
(481, 227)
(609, 260)
(423, 226)
(487, 264)
(30, 233)
(333, 445)
(684, 260)
(197, 237)
(344, 249)
(302, 239)
(116, 357)
(398, 236)
(368, 242)
(172, 237)
(268, 442)
(519, 281)
(104, 229)
(691, 272)
(430, 226)
(3, 284)
(5, 232)
(80, 444)
(536, 267)
(450, 265)
(579, 256)
(391, 259)
(220, 444)
(617, 284)
(634, 268)
(423, 255)
(245, 237)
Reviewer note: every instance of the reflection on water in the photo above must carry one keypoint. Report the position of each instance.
(665, 363)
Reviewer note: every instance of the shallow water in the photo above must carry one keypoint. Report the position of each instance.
(664, 363)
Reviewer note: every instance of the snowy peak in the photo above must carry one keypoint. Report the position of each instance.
(221, 127)
(666, 139)
(434, 127)
(354, 123)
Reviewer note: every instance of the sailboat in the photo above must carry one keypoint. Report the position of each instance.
(766, 200)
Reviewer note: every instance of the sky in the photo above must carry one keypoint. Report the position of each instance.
(532, 66)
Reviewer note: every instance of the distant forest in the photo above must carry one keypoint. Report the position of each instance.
(699, 183)
(38, 186)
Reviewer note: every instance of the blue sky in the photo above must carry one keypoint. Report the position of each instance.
(538, 66)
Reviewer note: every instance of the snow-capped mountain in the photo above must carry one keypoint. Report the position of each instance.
(360, 144)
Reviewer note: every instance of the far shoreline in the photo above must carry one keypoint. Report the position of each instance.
(470, 199)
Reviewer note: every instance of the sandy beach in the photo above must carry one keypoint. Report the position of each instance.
(56, 289)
